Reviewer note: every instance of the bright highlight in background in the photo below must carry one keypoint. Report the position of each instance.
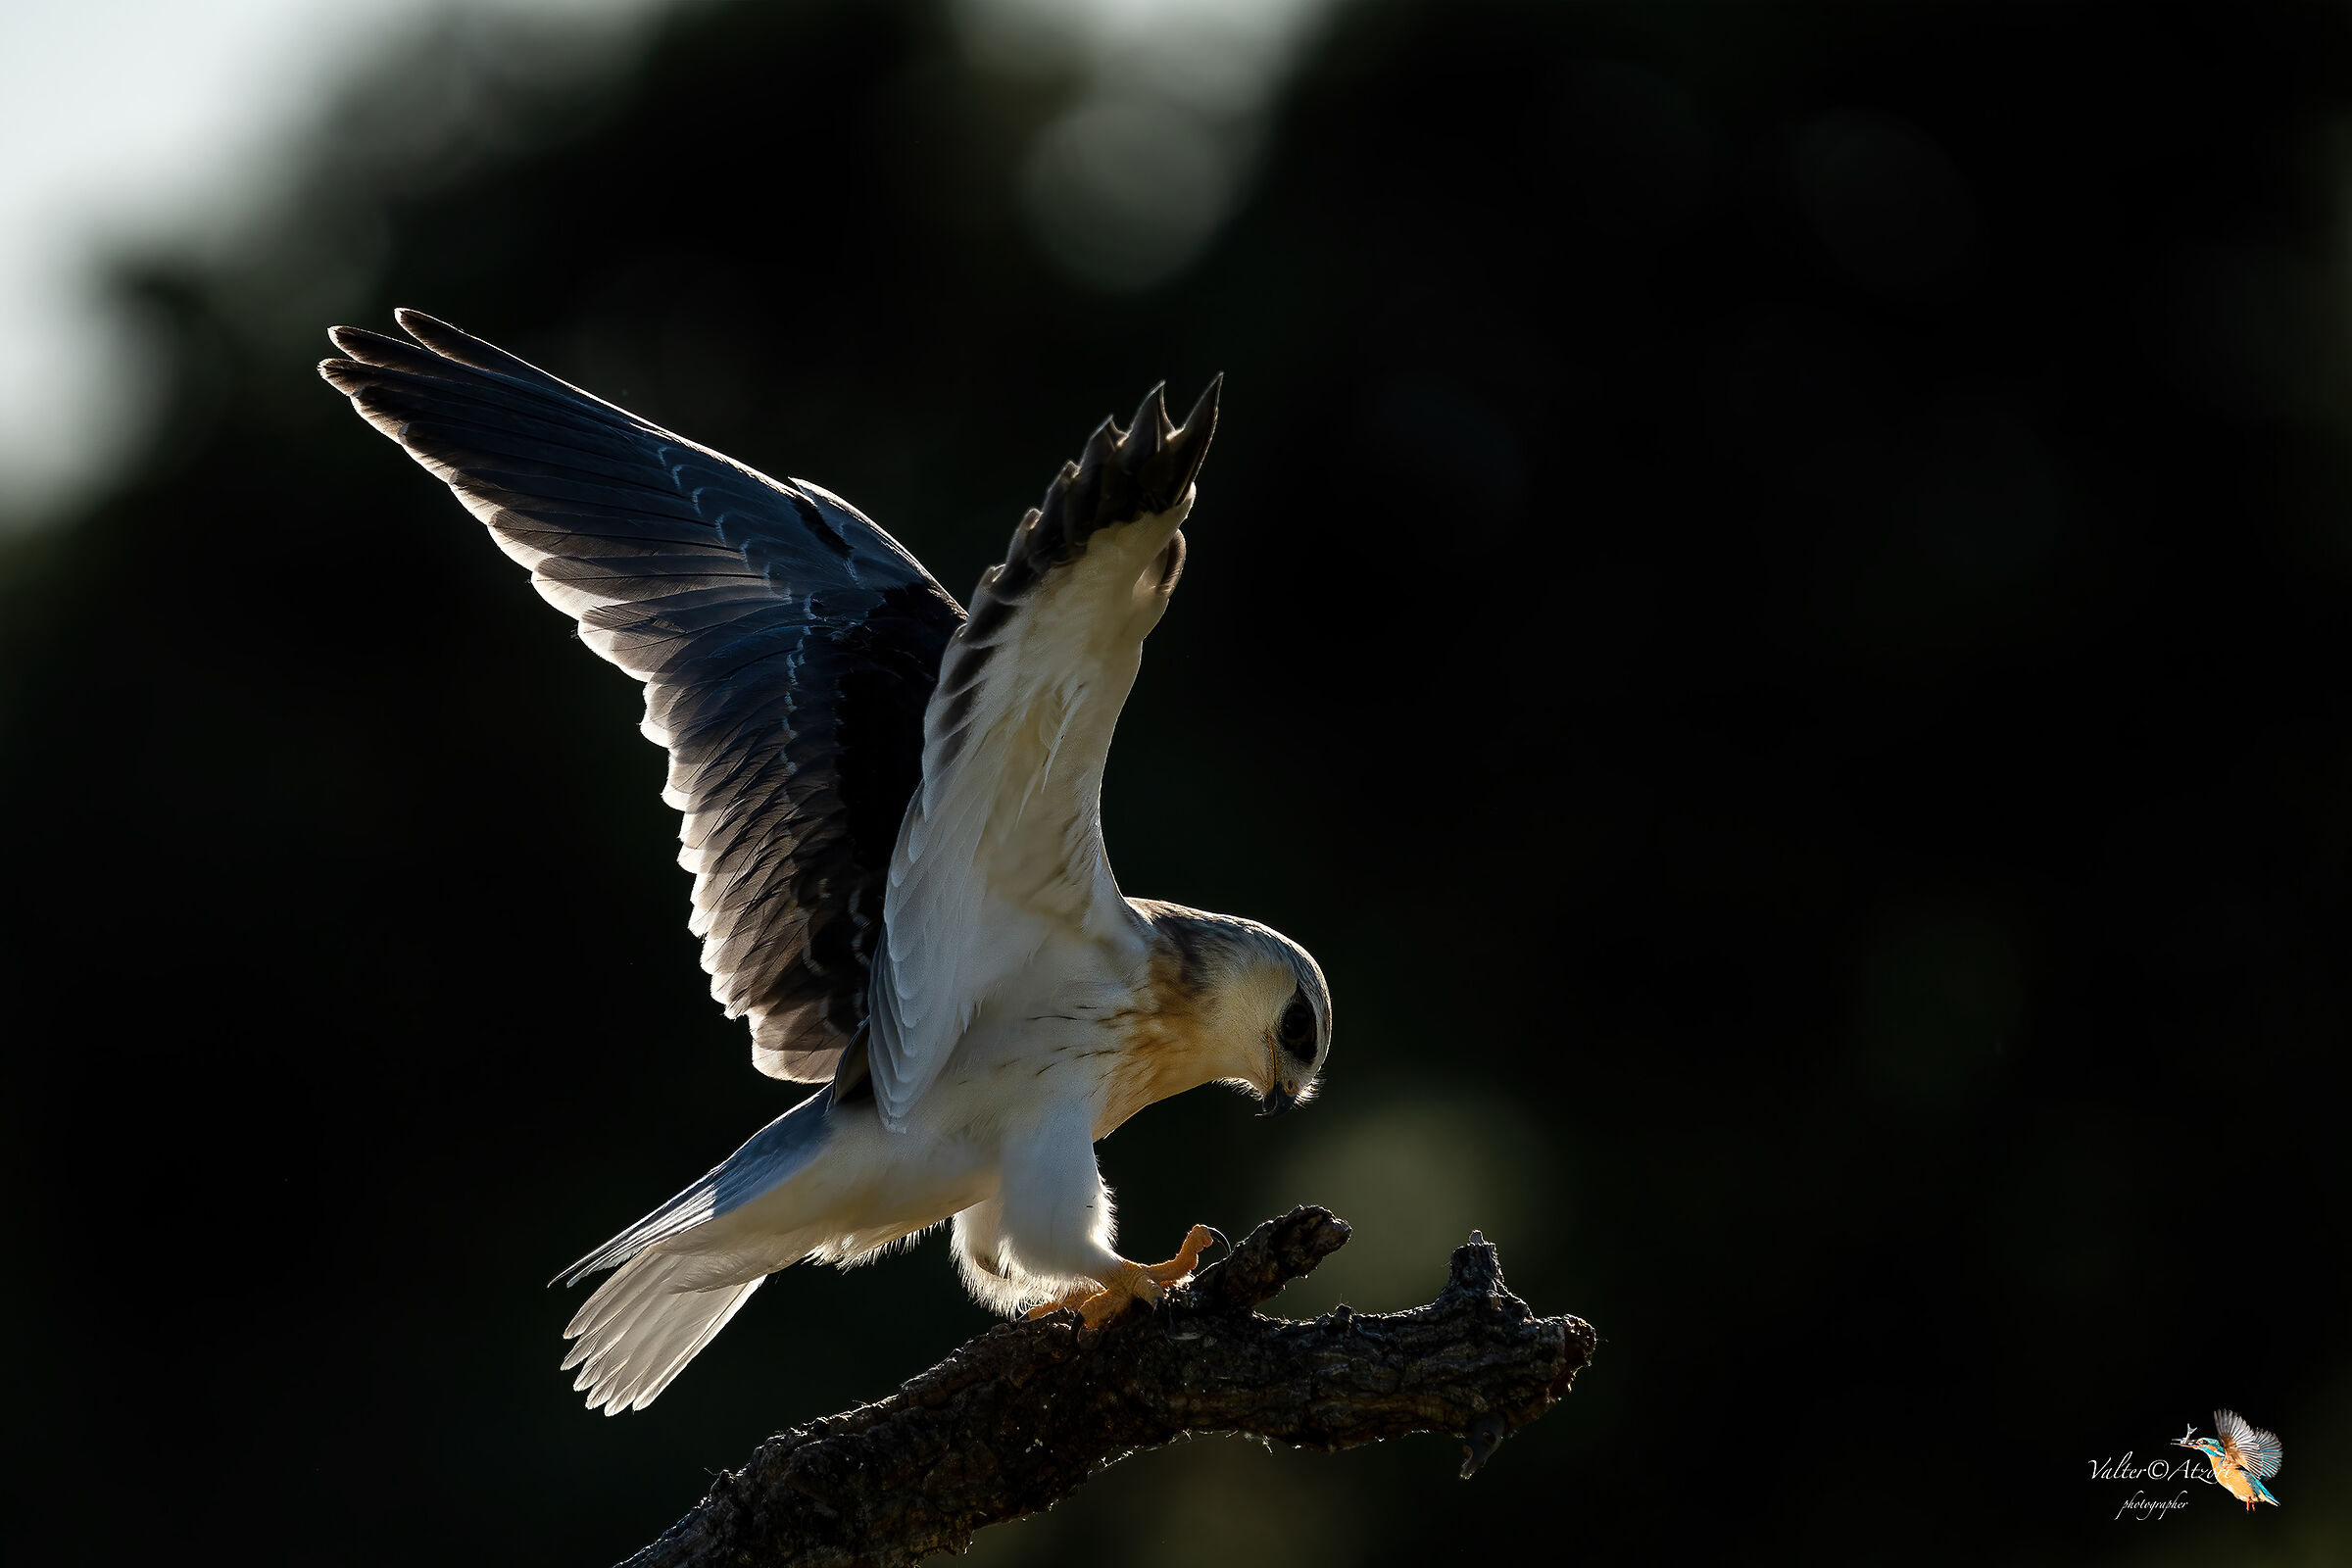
(146, 126)
(138, 125)
(1130, 183)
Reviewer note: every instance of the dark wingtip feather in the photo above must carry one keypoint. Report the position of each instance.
(368, 347)
(1148, 436)
(1210, 396)
(1100, 446)
(425, 328)
(1152, 418)
(1169, 475)
(1190, 445)
(462, 347)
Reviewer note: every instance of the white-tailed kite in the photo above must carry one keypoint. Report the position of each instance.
(892, 818)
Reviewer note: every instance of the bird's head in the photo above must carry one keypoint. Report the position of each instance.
(2205, 1446)
(1295, 1032)
(1264, 1009)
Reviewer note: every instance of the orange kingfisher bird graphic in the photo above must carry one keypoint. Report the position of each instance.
(2242, 1459)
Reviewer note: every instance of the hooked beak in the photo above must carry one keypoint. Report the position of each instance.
(1277, 1099)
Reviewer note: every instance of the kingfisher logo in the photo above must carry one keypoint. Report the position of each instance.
(2242, 1455)
(2240, 1460)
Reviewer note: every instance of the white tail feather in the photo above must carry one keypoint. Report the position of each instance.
(643, 1325)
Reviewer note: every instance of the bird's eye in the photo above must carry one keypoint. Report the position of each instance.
(1296, 1031)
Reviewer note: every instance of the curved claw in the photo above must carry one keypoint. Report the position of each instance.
(1187, 1258)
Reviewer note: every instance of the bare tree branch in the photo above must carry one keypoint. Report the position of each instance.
(1018, 1418)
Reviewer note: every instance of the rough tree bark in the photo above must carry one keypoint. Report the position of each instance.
(1018, 1418)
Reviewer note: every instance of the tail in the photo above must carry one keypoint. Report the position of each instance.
(643, 1325)
(668, 1297)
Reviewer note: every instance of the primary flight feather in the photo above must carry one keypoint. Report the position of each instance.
(891, 815)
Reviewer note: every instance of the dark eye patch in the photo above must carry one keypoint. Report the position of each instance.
(1296, 1031)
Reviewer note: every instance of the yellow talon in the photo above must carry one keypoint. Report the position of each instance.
(1188, 1256)
(1097, 1305)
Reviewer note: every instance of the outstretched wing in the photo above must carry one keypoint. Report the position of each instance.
(2247, 1446)
(787, 646)
(1001, 848)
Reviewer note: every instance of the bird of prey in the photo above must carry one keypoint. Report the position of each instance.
(891, 815)
(2243, 1457)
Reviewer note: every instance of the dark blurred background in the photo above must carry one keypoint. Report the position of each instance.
(1769, 599)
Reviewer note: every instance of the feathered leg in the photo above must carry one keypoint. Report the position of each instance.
(1058, 1226)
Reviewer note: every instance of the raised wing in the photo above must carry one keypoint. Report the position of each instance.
(787, 645)
(1002, 850)
(2247, 1446)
